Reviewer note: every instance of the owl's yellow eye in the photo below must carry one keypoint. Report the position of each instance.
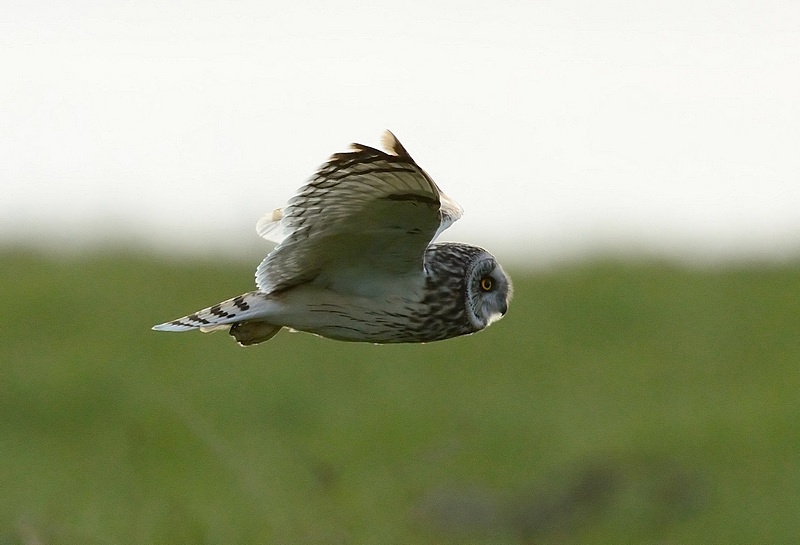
(486, 284)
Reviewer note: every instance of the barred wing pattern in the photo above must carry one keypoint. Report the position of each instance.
(354, 261)
(365, 213)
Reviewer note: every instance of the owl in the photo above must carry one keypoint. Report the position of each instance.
(355, 261)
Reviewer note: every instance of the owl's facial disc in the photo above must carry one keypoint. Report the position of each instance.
(488, 293)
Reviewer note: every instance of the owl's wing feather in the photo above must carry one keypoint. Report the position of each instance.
(270, 227)
(365, 212)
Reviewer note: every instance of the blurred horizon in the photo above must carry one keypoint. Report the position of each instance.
(564, 130)
(524, 257)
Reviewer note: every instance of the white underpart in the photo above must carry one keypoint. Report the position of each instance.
(335, 315)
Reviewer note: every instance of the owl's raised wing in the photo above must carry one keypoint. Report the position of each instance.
(365, 213)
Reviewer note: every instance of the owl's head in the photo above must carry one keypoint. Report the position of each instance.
(488, 290)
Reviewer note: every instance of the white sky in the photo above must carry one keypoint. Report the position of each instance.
(561, 127)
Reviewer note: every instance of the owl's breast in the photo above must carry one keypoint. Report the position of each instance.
(397, 315)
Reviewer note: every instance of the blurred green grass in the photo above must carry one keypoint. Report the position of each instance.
(616, 403)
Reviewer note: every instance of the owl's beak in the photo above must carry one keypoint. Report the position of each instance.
(504, 308)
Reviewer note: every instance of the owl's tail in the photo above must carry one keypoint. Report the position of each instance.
(242, 315)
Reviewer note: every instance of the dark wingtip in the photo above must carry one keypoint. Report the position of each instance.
(392, 145)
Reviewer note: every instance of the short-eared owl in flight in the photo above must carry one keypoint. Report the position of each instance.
(355, 261)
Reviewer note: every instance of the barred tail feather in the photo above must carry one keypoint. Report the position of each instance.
(241, 308)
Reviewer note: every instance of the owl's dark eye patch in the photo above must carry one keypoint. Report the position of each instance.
(487, 284)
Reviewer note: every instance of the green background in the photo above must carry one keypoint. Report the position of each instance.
(637, 402)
